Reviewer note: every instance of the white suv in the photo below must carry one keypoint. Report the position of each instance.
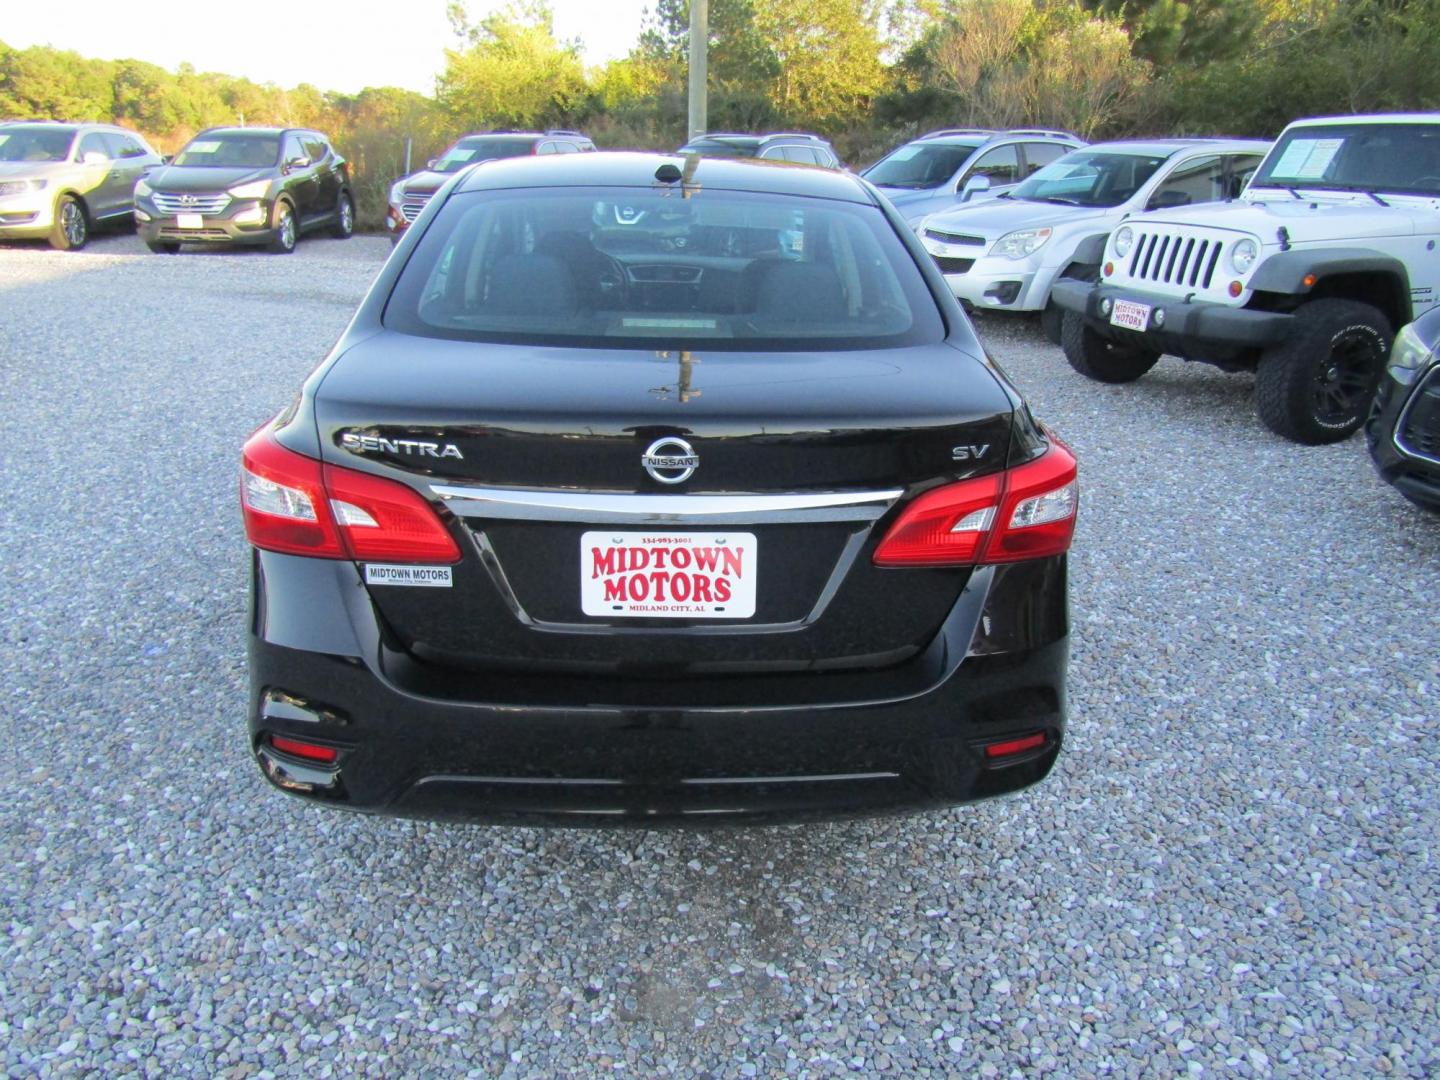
(1005, 254)
(1303, 280)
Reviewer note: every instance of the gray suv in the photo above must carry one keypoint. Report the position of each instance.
(954, 165)
(59, 181)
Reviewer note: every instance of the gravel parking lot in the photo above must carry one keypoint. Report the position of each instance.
(1231, 872)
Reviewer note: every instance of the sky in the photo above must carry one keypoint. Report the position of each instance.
(342, 46)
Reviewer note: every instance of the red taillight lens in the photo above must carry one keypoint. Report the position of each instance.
(1027, 512)
(296, 505)
(1011, 747)
(309, 751)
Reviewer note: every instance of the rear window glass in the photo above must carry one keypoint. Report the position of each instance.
(722, 148)
(611, 268)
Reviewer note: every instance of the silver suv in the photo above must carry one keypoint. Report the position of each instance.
(944, 168)
(58, 181)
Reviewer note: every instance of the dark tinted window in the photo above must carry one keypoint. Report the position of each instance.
(1357, 157)
(1090, 178)
(804, 155)
(35, 144)
(1001, 165)
(1039, 154)
(125, 146)
(315, 147)
(723, 148)
(919, 165)
(231, 151)
(605, 268)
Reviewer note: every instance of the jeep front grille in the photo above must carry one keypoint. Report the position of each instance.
(1418, 433)
(1168, 258)
(169, 202)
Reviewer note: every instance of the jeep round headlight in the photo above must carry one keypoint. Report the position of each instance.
(1243, 255)
(1018, 245)
(1124, 240)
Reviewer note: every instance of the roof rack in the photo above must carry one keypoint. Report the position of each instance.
(957, 131)
(793, 135)
(1048, 133)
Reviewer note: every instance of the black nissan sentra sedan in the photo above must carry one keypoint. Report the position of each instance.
(657, 489)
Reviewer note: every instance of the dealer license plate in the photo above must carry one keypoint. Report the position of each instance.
(190, 221)
(668, 575)
(1129, 314)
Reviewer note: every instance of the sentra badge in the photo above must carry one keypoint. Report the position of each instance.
(374, 444)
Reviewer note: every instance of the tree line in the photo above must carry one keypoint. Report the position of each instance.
(866, 73)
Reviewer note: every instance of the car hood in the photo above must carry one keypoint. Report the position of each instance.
(425, 182)
(1304, 220)
(204, 177)
(994, 218)
(25, 170)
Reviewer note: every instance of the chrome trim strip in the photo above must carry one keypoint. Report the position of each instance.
(703, 781)
(517, 505)
(1421, 387)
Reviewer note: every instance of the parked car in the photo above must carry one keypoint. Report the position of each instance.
(409, 194)
(60, 181)
(797, 147)
(1005, 253)
(581, 522)
(956, 165)
(247, 186)
(1302, 280)
(1404, 426)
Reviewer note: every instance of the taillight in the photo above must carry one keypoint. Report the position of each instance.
(1027, 512)
(326, 755)
(299, 506)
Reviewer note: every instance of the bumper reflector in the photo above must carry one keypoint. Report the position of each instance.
(1011, 747)
(309, 751)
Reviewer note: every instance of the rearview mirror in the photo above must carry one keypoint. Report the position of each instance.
(974, 186)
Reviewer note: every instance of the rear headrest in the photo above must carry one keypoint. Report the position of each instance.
(530, 285)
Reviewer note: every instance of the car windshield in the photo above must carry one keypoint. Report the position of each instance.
(35, 144)
(721, 148)
(483, 148)
(607, 268)
(1398, 158)
(1090, 178)
(919, 165)
(230, 151)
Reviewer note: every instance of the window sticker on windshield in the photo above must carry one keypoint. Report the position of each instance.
(1307, 159)
(209, 146)
(4, 139)
(905, 153)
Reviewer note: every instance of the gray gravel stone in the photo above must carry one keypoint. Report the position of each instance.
(1232, 871)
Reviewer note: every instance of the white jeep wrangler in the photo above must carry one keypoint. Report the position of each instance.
(1304, 279)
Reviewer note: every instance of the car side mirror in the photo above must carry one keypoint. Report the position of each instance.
(94, 157)
(296, 163)
(1166, 200)
(976, 185)
(432, 163)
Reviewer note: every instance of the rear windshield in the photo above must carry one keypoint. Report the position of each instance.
(231, 151)
(720, 148)
(1089, 178)
(920, 165)
(483, 148)
(31, 144)
(609, 268)
(1400, 158)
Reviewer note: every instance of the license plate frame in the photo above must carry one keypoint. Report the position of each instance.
(1131, 315)
(189, 221)
(617, 581)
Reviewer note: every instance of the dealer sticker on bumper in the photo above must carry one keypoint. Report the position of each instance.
(429, 577)
(664, 575)
(1132, 316)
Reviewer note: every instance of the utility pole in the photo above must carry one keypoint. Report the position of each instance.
(699, 62)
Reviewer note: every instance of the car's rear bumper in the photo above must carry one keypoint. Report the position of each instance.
(488, 748)
(1188, 325)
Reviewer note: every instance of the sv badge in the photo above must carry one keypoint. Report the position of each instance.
(969, 452)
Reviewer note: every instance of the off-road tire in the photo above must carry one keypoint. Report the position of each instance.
(72, 225)
(344, 226)
(1317, 385)
(1099, 358)
(159, 248)
(287, 229)
(1052, 323)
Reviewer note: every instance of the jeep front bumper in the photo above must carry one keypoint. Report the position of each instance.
(1185, 327)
